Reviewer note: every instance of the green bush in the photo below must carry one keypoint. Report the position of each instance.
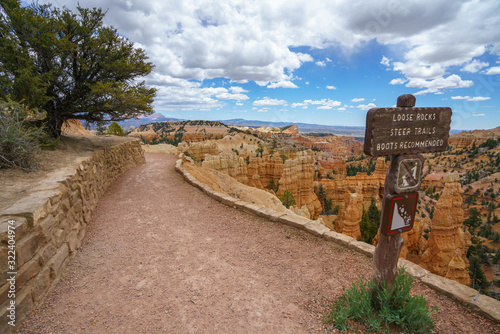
(19, 142)
(287, 199)
(115, 129)
(377, 307)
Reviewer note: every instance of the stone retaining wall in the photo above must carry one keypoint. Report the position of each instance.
(462, 294)
(50, 224)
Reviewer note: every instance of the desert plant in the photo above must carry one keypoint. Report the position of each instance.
(376, 307)
(19, 142)
(287, 199)
(115, 129)
(370, 222)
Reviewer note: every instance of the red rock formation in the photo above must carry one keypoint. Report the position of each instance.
(414, 241)
(199, 150)
(447, 239)
(266, 168)
(229, 164)
(350, 217)
(293, 130)
(367, 186)
(298, 178)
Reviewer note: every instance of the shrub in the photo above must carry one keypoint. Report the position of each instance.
(115, 129)
(287, 199)
(19, 142)
(376, 307)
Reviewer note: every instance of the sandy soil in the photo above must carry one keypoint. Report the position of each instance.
(16, 183)
(162, 257)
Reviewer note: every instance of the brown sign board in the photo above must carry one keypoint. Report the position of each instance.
(406, 130)
(398, 213)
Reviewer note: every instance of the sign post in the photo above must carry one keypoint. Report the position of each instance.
(402, 133)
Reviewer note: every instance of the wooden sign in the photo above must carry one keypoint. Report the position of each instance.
(406, 130)
(399, 213)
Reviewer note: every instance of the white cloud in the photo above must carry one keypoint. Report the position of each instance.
(357, 99)
(324, 104)
(478, 115)
(479, 98)
(331, 87)
(435, 85)
(398, 81)
(282, 84)
(473, 99)
(341, 109)
(474, 66)
(321, 63)
(239, 103)
(366, 106)
(269, 102)
(385, 61)
(493, 70)
(242, 41)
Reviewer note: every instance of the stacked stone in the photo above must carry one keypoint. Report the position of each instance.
(50, 224)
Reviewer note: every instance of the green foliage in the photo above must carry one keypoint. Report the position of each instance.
(287, 199)
(19, 142)
(352, 170)
(478, 279)
(376, 307)
(259, 150)
(71, 65)
(115, 129)
(474, 220)
(101, 128)
(370, 222)
(272, 185)
(490, 143)
(326, 203)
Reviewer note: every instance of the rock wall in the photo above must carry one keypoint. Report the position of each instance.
(199, 150)
(448, 242)
(50, 224)
(367, 186)
(265, 169)
(230, 164)
(298, 178)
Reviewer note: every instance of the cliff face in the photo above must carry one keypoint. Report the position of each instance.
(367, 186)
(199, 150)
(265, 169)
(298, 178)
(448, 242)
(229, 164)
(350, 217)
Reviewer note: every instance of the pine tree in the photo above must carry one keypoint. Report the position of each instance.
(287, 199)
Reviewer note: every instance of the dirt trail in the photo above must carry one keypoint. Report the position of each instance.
(161, 257)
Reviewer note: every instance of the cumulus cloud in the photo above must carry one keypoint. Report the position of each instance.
(397, 81)
(474, 66)
(357, 99)
(367, 106)
(493, 70)
(473, 99)
(385, 61)
(435, 85)
(324, 104)
(331, 87)
(266, 101)
(191, 41)
(282, 84)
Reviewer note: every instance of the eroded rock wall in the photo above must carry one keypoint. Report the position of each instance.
(298, 178)
(51, 222)
(447, 239)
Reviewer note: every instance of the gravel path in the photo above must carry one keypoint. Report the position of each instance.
(161, 257)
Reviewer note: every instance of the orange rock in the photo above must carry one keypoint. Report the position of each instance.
(350, 217)
(447, 238)
(298, 178)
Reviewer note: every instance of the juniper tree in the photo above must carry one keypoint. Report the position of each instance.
(70, 65)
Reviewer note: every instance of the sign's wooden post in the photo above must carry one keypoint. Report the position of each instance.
(402, 133)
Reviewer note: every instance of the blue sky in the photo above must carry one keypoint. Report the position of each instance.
(315, 61)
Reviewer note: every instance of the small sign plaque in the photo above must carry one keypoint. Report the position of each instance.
(399, 213)
(406, 130)
(405, 173)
